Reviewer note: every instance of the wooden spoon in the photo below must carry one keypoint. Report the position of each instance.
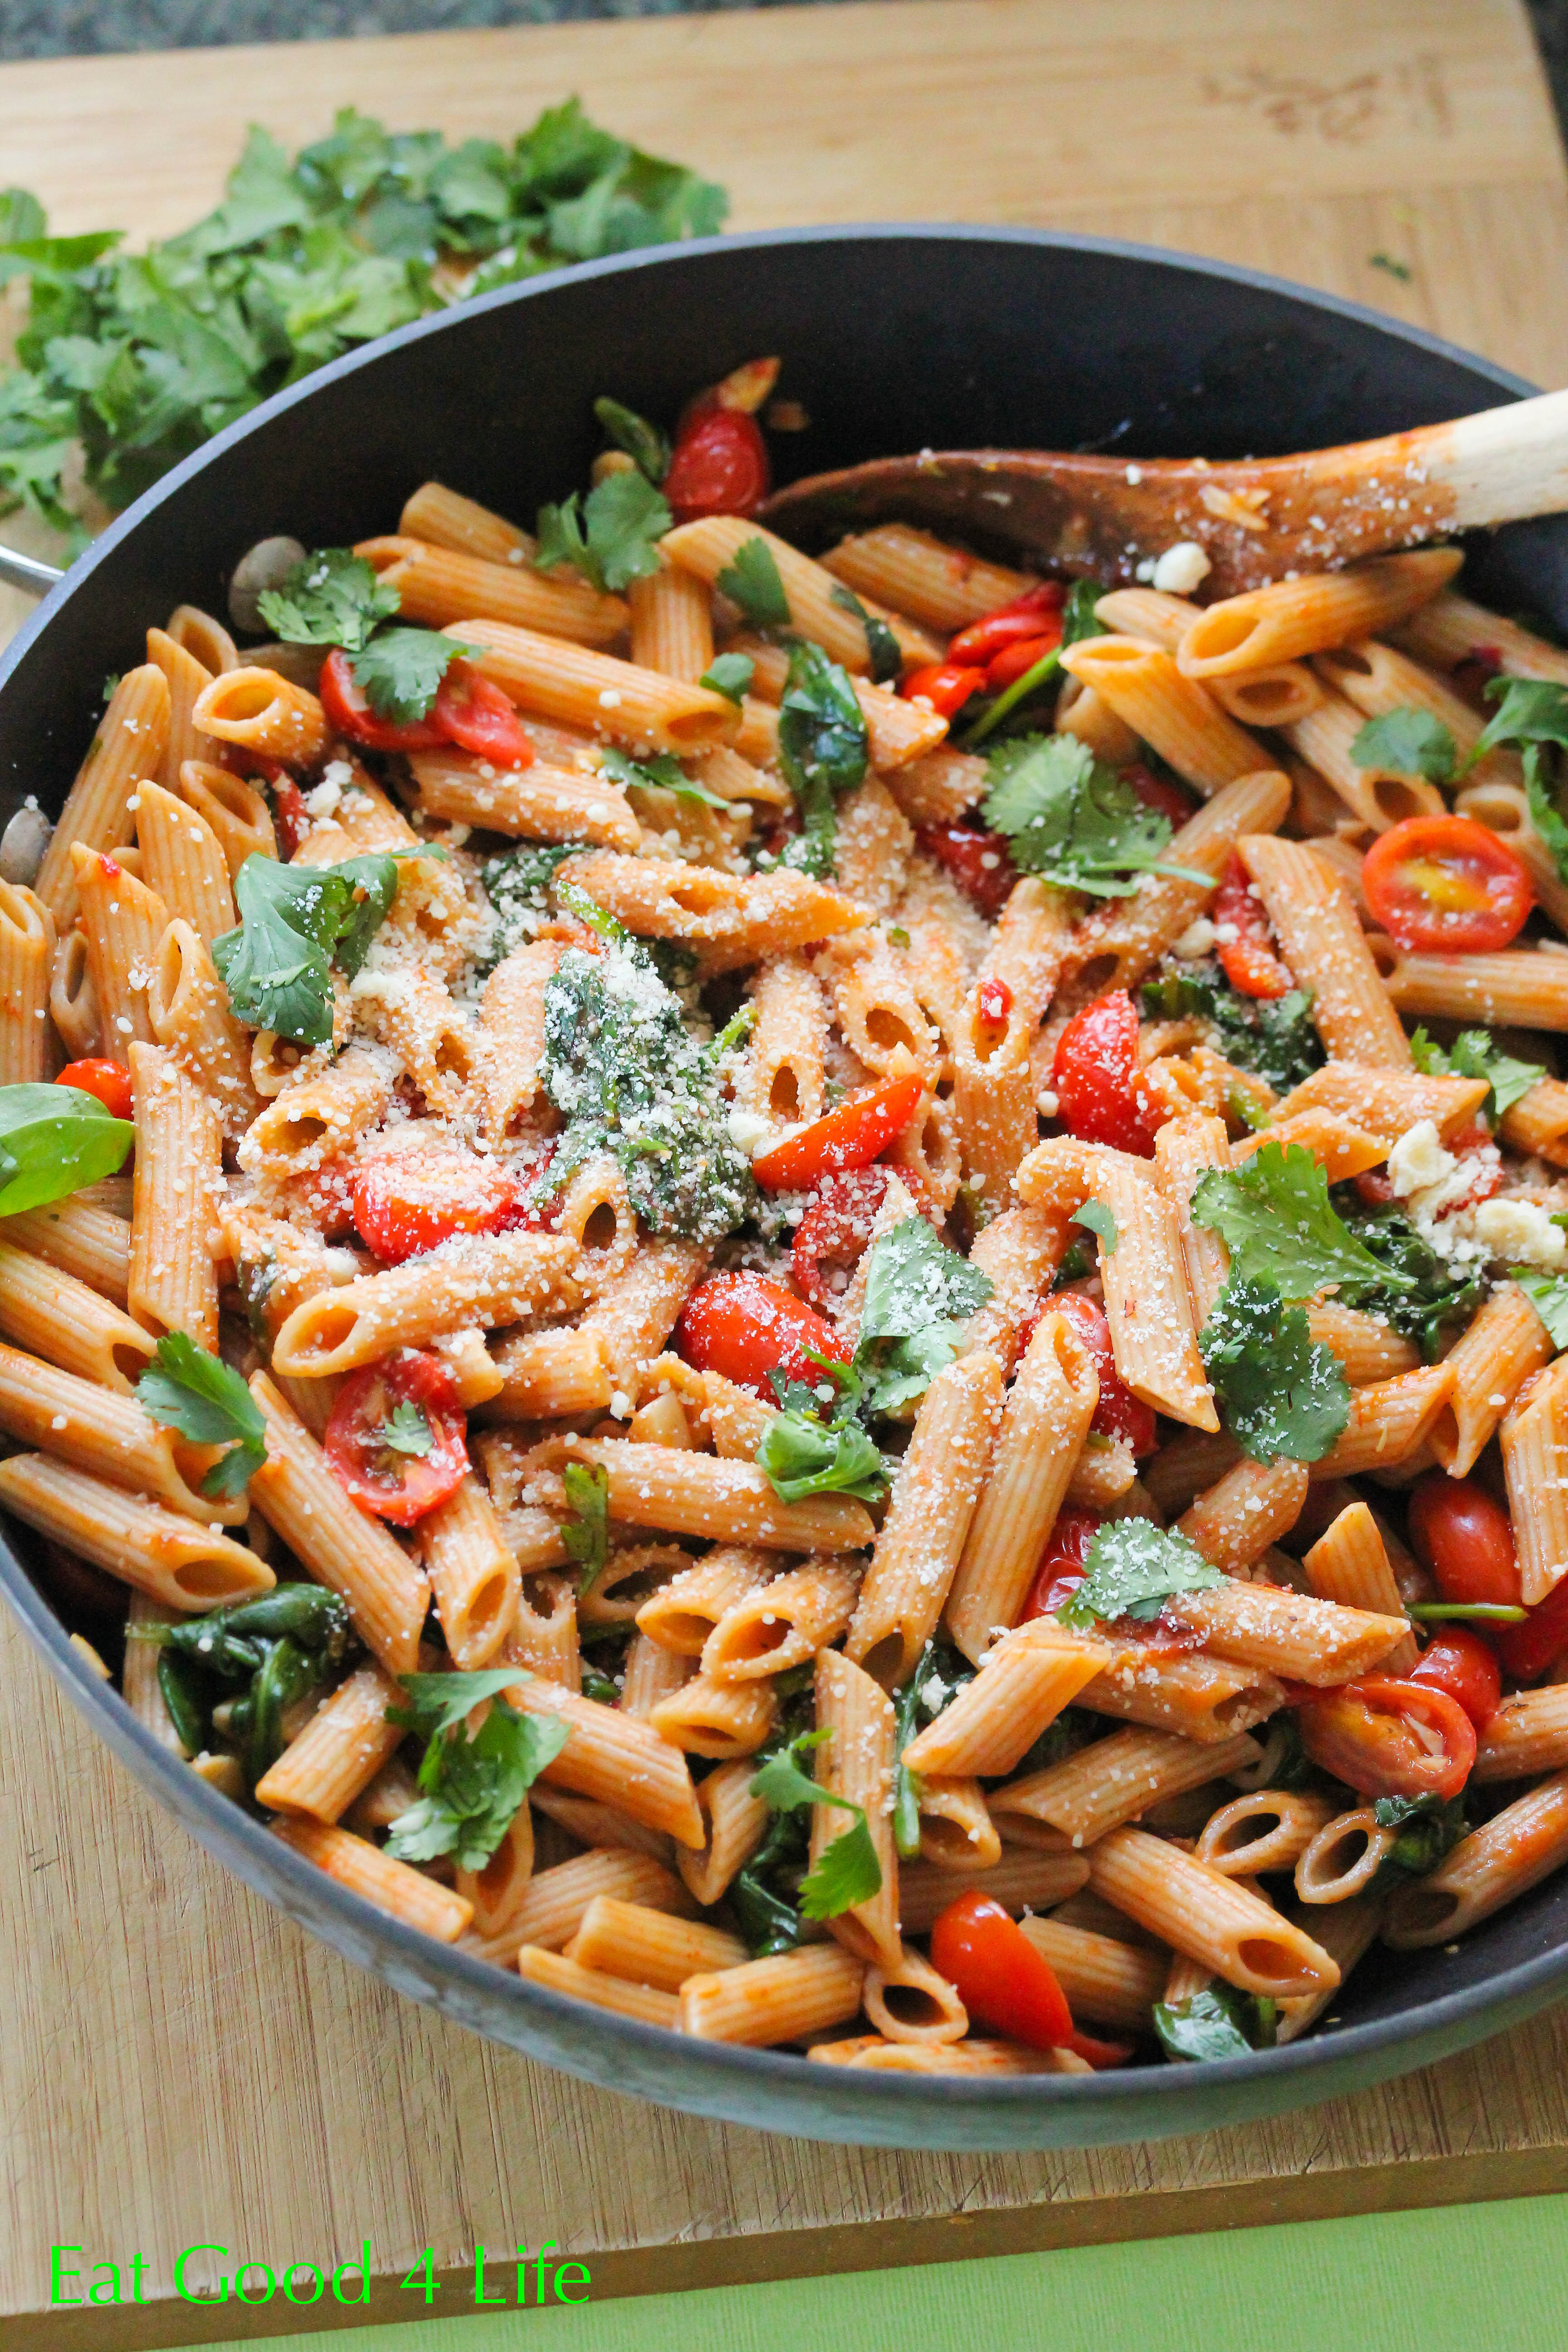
(1255, 519)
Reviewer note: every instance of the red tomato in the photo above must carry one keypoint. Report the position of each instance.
(1062, 1563)
(837, 1225)
(1012, 625)
(1000, 1978)
(290, 814)
(719, 464)
(978, 862)
(386, 1480)
(1249, 960)
(1465, 1537)
(744, 1327)
(105, 1080)
(1461, 1663)
(1016, 661)
(477, 716)
(995, 1001)
(1389, 1738)
(407, 1201)
(1159, 793)
(849, 1137)
(1119, 1412)
(1446, 886)
(349, 712)
(1476, 1146)
(1095, 1076)
(946, 686)
(1527, 1651)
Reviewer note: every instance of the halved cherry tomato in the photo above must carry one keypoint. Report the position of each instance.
(1461, 1663)
(407, 1201)
(1446, 886)
(105, 1080)
(1119, 1412)
(1465, 1537)
(370, 1445)
(1095, 1076)
(477, 716)
(1389, 1738)
(1248, 961)
(349, 712)
(993, 1000)
(978, 862)
(1004, 1983)
(744, 1327)
(1528, 1650)
(838, 1223)
(1015, 661)
(289, 815)
(1062, 1563)
(1010, 625)
(1159, 793)
(946, 686)
(849, 1137)
(719, 464)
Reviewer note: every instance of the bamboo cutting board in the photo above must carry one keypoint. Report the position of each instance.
(180, 2064)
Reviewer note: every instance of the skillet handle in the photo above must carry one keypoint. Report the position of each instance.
(27, 573)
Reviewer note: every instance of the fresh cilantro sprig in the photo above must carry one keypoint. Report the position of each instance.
(1219, 2022)
(1284, 1395)
(294, 921)
(659, 771)
(207, 1400)
(1473, 1055)
(53, 1140)
(1532, 712)
(472, 1785)
(730, 675)
(1413, 742)
(400, 671)
(807, 1451)
(1275, 1215)
(333, 598)
(847, 1871)
(586, 1533)
(1132, 1570)
(919, 1296)
(1098, 1218)
(1073, 821)
(824, 749)
(611, 537)
(405, 1430)
(752, 581)
(881, 645)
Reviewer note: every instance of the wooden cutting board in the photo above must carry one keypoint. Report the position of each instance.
(180, 2064)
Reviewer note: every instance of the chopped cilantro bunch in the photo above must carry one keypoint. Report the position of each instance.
(1073, 821)
(611, 537)
(133, 360)
(333, 598)
(1473, 1055)
(1271, 1038)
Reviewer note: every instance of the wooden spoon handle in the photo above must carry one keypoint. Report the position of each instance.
(1498, 467)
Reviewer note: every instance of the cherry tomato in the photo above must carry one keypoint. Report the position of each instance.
(719, 464)
(838, 1223)
(978, 862)
(946, 686)
(1062, 1563)
(993, 999)
(849, 1137)
(1461, 1663)
(1465, 1537)
(349, 712)
(398, 1464)
(1012, 625)
(477, 716)
(1248, 961)
(1446, 886)
(1528, 1650)
(1016, 661)
(744, 1327)
(1095, 1076)
(290, 814)
(1389, 1738)
(407, 1201)
(997, 1974)
(1159, 793)
(105, 1080)
(1119, 1412)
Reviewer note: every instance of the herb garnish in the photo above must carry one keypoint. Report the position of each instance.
(207, 1400)
(53, 1140)
(473, 1784)
(752, 581)
(1132, 1570)
(611, 537)
(1073, 821)
(1284, 1394)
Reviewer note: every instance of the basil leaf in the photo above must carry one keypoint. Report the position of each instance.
(53, 1140)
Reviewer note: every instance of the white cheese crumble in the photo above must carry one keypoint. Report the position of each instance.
(1197, 939)
(747, 1130)
(1522, 1232)
(1182, 569)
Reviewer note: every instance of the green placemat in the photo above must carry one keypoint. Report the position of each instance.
(1470, 2278)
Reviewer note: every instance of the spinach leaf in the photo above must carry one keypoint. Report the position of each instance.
(1217, 2022)
(270, 1651)
(824, 749)
(659, 771)
(1272, 1039)
(1423, 1297)
(587, 1534)
(1080, 614)
(807, 1451)
(881, 645)
(1428, 1827)
(730, 675)
(918, 1295)
(1098, 1218)
(53, 1140)
(277, 965)
(517, 883)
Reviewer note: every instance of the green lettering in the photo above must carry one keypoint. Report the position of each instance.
(193, 2294)
(57, 2276)
(243, 2272)
(422, 2274)
(111, 2285)
(363, 2266)
(479, 2294)
(315, 2294)
(565, 2270)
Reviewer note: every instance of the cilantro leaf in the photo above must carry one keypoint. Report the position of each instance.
(277, 965)
(1073, 821)
(881, 645)
(1271, 1038)
(1413, 742)
(472, 1786)
(1098, 1217)
(824, 749)
(1473, 1055)
(660, 771)
(611, 537)
(1275, 1215)
(1217, 2022)
(847, 1871)
(752, 581)
(207, 1400)
(647, 445)
(1547, 814)
(1080, 614)
(1284, 1394)
(405, 1430)
(1530, 710)
(1548, 1294)
(53, 1140)
(1132, 1570)
(333, 598)
(730, 675)
(587, 1534)
(804, 1454)
(400, 672)
(918, 1295)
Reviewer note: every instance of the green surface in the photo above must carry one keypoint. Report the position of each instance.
(1470, 2278)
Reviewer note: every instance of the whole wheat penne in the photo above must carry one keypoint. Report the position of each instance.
(1538, 1122)
(438, 584)
(170, 1284)
(172, 1558)
(123, 922)
(709, 547)
(647, 2005)
(1367, 1346)
(1349, 1564)
(1534, 1440)
(1490, 1364)
(593, 1824)
(733, 919)
(1116, 1780)
(1528, 1734)
(1019, 1692)
(911, 2003)
(633, 1316)
(1268, 1830)
(338, 1752)
(856, 1763)
(681, 1615)
(1207, 1915)
(1290, 1634)
(970, 2056)
(474, 1577)
(554, 1904)
(705, 1716)
(110, 1435)
(1019, 1253)
(782, 1622)
(919, 575)
(653, 1675)
(937, 787)
(1182, 1470)
(1112, 1982)
(1385, 1102)
(28, 949)
(187, 1006)
(139, 1683)
(1516, 988)
(1168, 709)
(486, 1278)
(1147, 1303)
(732, 1822)
(1303, 616)
(47, 1310)
(540, 802)
(97, 816)
(1502, 1860)
(650, 1948)
(263, 712)
(696, 1494)
(579, 687)
(1183, 1149)
(779, 1999)
(1234, 1522)
(393, 1886)
(1450, 630)
(1081, 712)
(957, 1832)
(1389, 1422)
(1376, 795)
(617, 1758)
(445, 518)
(496, 1889)
(1346, 1932)
(672, 623)
(1327, 952)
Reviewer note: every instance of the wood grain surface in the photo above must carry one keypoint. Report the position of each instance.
(180, 2064)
